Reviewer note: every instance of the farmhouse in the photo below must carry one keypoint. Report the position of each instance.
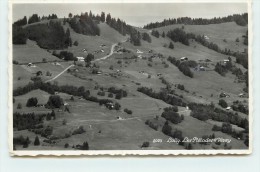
(81, 59)
(223, 95)
(228, 108)
(139, 52)
(241, 95)
(29, 65)
(184, 58)
(206, 37)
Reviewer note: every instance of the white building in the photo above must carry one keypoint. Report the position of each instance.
(81, 59)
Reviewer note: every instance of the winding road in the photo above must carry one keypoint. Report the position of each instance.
(102, 58)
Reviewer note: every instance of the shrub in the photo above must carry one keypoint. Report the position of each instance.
(76, 43)
(19, 106)
(128, 111)
(66, 145)
(145, 144)
(79, 130)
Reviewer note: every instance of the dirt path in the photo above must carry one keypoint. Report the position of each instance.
(59, 74)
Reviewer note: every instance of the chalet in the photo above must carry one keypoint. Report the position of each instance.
(85, 50)
(223, 95)
(206, 37)
(228, 108)
(140, 56)
(241, 95)
(99, 72)
(81, 59)
(184, 58)
(29, 64)
(201, 68)
(110, 105)
(119, 117)
(139, 52)
(225, 61)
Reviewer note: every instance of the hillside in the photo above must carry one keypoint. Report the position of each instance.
(126, 95)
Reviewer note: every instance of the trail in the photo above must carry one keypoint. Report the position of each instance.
(59, 74)
(111, 52)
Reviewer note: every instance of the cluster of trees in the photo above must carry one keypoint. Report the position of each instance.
(152, 124)
(50, 35)
(205, 112)
(227, 128)
(155, 33)
(49, 17)
(21, 22)
(184, 67)
(84, 24)
(21, 141)
(34, 18)
(123, 28)
(68, 89)
(172, 115)
(44, 131)
(177, 134)
(65, 55)
(237, 106)
(146, 37)
(162, 95)
(180, 86)
(27, 120)
(118, 92)
(179, 35)
(19, 35)
(240, 19)
(79, 130)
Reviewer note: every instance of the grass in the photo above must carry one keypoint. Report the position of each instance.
(103, 130)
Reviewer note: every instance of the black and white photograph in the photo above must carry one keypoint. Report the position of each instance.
(130, 78)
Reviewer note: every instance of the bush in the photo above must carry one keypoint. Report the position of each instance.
(79, 130)
(145, 144)
(66, 145)
(110, 95)
(128, 111)
(76, 43)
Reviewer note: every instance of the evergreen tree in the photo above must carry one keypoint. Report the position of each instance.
(171, 46)
(36, 141)
(103, 17)
(108, 19)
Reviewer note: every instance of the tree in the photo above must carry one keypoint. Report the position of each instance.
(85, 146)
(237, 40)
(223, 103)
(33, 101)
(117, 106)
(70, 15)
(108, 19)
(89, 58)
(163, 34)
(19, 106)
(55, 101)
(36, 141)
(171, 46)
(167, 129)
(103, 17)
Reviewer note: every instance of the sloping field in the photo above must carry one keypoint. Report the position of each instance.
(216, 33)
(107, 37)
(31, 52)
